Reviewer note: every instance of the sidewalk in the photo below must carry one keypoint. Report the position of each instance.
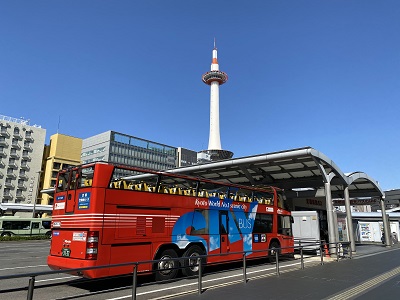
(317, 282)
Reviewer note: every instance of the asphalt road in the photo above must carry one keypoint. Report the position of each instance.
(314, 282)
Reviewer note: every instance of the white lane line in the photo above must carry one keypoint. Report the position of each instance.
(60, 278)
(24, 267)
(18, 246)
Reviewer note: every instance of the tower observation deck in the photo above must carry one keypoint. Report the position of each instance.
(214, 79)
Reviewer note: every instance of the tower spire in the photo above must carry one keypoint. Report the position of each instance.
(214, 79)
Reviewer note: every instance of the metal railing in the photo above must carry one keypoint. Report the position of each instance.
(341, 250)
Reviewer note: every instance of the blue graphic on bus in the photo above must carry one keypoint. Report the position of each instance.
(190, 226)
(192, 221)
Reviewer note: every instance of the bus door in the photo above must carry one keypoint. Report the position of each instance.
(67, 183)
(224, 231)
(35, 227)
(71, 199)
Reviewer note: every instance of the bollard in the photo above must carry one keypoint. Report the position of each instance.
(244, 268)
(199, 282)
(322, 254)
(301, 257)
(277, 262)
(351, 252)
(134, 282)
(31, 288)
(337, 252)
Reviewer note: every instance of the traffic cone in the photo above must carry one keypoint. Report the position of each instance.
(326, 251)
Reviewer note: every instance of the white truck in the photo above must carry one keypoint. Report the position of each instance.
(306, 231)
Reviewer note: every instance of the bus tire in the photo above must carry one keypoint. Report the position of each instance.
(48, 234)
(166, 269)
(273, 248)
(6, 234)
(190, 266)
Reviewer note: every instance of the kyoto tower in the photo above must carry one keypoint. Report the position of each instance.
(214, 79)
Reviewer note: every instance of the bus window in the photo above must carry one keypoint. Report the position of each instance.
(264, 198)
(46, 224)
(86, 177)
(263, 223)
(62, 182)
(74, 179)
(285, 225)
(16, 225)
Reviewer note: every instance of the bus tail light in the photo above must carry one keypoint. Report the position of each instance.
(92, 244)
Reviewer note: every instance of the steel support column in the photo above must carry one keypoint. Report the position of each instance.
(386, 225)
(349, 219)
(332, 228)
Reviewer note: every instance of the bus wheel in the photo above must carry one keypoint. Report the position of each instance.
(6, 234)
(48, 234)
(190, 266)
(166, 268)
(274, 247)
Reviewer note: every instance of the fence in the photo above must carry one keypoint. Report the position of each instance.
(341, 250)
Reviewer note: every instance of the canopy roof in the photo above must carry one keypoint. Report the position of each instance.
(301, 171)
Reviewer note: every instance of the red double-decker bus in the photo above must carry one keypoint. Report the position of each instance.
(107, 214)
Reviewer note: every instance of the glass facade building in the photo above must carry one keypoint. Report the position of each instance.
(124, 149)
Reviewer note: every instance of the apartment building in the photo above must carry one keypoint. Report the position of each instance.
(21, 153)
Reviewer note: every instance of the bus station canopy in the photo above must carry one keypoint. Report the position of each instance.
(300, 172)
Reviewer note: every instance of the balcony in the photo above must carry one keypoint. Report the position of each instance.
(11, 175)
(7, 195)
(9, 185)
(14, 154)
(26, 156)
(20, 197)
(1, 175)
(23, 176)
(16, 146)
(29, 138)
(4, 133)
(17, 135)
(21, 186)
(28, 147)
(3, 154)
(13, 165)
(2, 165)
(25, 167)
(3, 143)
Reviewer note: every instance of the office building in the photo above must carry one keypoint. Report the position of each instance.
(63, 151)
(124, 149)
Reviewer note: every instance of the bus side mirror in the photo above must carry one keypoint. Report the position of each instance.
(291, 219)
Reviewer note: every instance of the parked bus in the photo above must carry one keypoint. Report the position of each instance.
(110, 214)
(14, 225)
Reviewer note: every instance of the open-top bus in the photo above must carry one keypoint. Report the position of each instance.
(111, 214)
(15, 225)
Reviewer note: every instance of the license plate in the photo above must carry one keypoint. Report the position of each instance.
(66, 252)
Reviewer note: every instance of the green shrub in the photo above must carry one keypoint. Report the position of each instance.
(23, 238)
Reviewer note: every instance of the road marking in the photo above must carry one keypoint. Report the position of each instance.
(365, 286)
(24, 267)
(377, 253)
(212, 280)
(59, 278)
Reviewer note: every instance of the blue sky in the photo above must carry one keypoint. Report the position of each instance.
(324, 74)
